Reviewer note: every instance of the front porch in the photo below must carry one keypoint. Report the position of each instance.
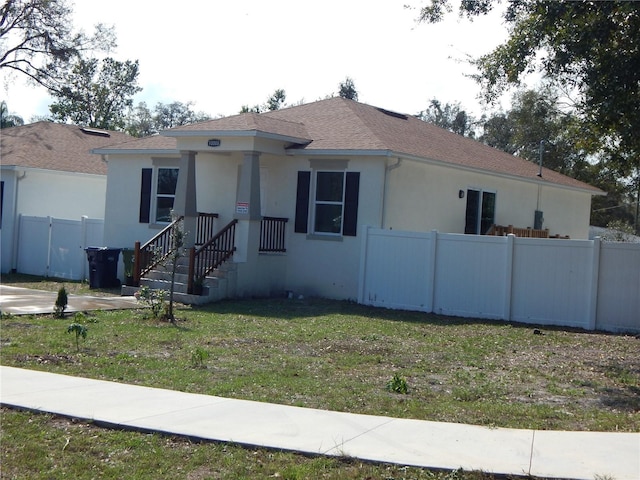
(204, 272)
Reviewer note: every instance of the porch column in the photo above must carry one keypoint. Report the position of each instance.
(248, 194)
(185, 200)
(247, 209)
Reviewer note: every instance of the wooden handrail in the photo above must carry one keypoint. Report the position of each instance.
(153, 252)
(158, 248)
(272, 234)
(212, 254)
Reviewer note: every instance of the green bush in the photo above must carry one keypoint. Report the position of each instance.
(61, 303)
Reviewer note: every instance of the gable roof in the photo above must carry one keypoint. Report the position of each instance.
(340, 126)
(56, 146)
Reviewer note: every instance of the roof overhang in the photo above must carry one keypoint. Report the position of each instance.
(135, 151)
(392, 154)
(235, 134)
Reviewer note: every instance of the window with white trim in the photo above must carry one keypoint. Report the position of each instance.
(329, 202)
(165, 194)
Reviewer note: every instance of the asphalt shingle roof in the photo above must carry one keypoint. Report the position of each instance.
(338, 124)
(56, 146)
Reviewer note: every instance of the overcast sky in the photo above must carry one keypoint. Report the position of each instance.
(225, 54)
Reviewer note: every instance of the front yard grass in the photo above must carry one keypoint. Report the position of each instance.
(338, 356)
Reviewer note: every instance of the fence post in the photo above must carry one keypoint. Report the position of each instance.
(508, 277)
(83, 229)
(592, 321)
(363, 260)
(431, 271)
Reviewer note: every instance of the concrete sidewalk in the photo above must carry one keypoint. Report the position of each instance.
(576, 455)
(26, 301)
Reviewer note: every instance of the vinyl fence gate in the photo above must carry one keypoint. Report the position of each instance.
(54, 247)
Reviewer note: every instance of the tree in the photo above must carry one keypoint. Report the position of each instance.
(348, 89)
(274, 102)
(97, 93)
(37, 40)
(8, 119)
(588, 48)
(535, 126)
(143, 122)
(450, 117)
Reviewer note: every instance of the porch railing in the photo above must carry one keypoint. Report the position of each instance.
(206, 227)
(212, 254)
(272, 234)
(156, 250)
(501, 231)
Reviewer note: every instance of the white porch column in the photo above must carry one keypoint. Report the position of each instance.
(185, 201)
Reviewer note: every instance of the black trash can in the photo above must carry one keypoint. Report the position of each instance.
(103, 267)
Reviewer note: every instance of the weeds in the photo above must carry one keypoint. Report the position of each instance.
(398, 384)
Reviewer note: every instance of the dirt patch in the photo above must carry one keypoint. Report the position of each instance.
(46, 359)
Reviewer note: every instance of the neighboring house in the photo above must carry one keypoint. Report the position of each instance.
(48, 171)
(329, 168)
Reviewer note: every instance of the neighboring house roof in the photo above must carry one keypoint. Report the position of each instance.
(56, 146)
(342, 127)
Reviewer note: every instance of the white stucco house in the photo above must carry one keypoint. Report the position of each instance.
(47, 170)
(295, 186)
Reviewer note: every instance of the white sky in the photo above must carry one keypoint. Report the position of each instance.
(225, 54)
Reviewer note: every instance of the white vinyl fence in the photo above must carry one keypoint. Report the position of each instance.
(576, 283)
(54, 247)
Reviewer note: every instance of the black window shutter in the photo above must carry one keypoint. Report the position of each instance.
(1, 201)
(350, 223)
(302, 202)
(145, 195)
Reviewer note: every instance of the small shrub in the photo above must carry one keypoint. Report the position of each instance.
(154, 298)
(398, 384)
(61, 303)
(198, 357)
(79, 330)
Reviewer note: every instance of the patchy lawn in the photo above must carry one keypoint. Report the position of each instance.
(319, 354)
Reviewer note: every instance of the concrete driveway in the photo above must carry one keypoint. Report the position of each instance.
(25, 301)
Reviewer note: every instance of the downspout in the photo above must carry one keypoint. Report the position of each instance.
(387, 169)
(16, 223)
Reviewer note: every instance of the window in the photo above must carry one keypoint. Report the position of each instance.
(481, 211)
(334, 209)
(165, 193)
(329, 202)
(159, 194)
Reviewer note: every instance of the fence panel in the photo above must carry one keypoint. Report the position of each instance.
(33, 245)
(397, 266)
(470, 276)
(574, 283)
(552, 281)
(618, 304)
